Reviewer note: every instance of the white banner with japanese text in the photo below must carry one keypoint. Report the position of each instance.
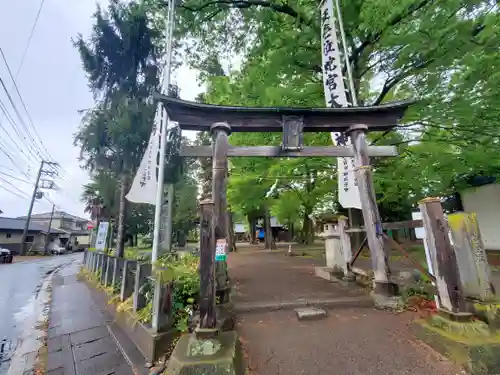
(336, 97)
(143, 189)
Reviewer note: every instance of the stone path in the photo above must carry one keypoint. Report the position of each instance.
(79, 341)
(351, 340)
(263, 277)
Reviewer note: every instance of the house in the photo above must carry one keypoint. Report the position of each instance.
(11, 231)
(73, 229)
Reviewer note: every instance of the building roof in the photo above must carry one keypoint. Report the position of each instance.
(57, 215)
(17, 224)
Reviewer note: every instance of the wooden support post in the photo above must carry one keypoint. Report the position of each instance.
(443, 256)
(207, 266)
(220, 132)
(373, 225)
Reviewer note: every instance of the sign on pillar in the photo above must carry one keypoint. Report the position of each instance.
(221, 250)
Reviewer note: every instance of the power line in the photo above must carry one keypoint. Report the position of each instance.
(13, 161)
(16, 130)
(32, 32)
(15, 178)
(10, 169)
(56, 205)
(24, 104)
(23, 123)
(14, 187)
(13, 193)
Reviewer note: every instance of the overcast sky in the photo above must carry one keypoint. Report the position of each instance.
(53, 87)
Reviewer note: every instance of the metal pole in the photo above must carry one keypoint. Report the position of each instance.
(30, 210)
(47, 238)
(354, 98)
(350, 78)
(157, 297)
(163, 135)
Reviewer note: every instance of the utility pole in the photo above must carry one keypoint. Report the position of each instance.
(33, 197)
(47, 238)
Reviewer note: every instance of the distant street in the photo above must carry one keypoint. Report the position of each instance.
(19, 286)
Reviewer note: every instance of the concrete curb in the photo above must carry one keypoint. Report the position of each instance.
(128, 349)
(344, 302)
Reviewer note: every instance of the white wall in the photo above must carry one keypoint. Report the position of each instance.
(485, 202)
(419, 232)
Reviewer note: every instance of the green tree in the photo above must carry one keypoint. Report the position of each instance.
(442, 53)
(121, 62)
(101, 192)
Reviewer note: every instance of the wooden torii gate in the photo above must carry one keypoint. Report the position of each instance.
(355, 122)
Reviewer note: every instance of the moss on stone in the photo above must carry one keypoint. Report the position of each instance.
(469, 344)
(489, 312)
(227, 360)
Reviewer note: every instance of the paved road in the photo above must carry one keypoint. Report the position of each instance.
(19, 285)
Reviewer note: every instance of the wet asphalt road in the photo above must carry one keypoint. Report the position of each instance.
(19, 284)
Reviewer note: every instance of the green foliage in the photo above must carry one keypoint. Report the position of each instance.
(444, 53)
(122, 54)
(183, 273)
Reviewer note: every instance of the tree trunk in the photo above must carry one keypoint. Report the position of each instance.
(231, 240)
(307, 227)
(120, 237)
(136, 240)
(181, 238)
(252, 223)
(268, 232)
(289, 234)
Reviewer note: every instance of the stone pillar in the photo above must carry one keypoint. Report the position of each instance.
(162, 303)
(114, 279)
(142, 272)
(109, 271)
(127, 287)
(474, 269)
(103, 264)
(345, 244)
(333, 248)
(220, 133)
